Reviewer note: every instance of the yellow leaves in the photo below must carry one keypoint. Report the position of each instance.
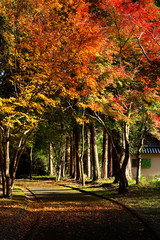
(6, 106)
(81, 104)
(20, 111)
(10, 38)
(1, 102)
(48, 101)
(81, 120)
(37, 10)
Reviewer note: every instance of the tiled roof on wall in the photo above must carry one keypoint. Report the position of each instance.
(151, 150)
(151, 145)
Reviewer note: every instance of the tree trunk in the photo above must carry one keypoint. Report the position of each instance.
(73, 156)
(31, 159)
(138, 175)
(5, 163)
(88, 153)
(3, 183)
(63, 164)
(96, 168)
(59, 172)
(50, 159)
(78, 152)
(123, 184)
(67, 156)
(129, 169)
(2, 164)
(110, 158)
(8, 175)
(105, 155)
(81, 159)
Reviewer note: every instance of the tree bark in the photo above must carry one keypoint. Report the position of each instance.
(73, 155)
(67, 156)
(63, 164)
(50, 159)
(138, 175)
(5, 163)
(105, 155)
(110, 158)
(81, 159)
(129, 169)
(8, 174)
(31, 159)
(78, 152)
(59, 172)
(88, 153)
(123, 184)
(2, 164)
(96, 168)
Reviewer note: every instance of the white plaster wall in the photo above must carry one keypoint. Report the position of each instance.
(155, 166)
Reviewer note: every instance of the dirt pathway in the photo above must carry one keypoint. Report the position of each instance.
(70, 215)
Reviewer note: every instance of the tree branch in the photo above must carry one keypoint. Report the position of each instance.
(96, 117)
(143, 48)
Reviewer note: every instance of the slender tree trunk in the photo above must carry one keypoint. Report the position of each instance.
(88, 153)
(59, 172)
(110, 158)
(3, 183)
(138, 175)
(6, 164)
(63, 164)
(129, 169)
(78, 152)
(2, 164)
(67, 156)
(96, 168)
(50, 159)
(123, 184)
(105, 155)
(31, 159)
(8, 175)
(73, 157)
(81, 159)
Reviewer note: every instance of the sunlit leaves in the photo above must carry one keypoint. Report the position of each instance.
(67, 49)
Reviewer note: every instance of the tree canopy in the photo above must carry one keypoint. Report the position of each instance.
(97, 58)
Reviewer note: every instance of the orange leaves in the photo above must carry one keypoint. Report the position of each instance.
(61, 48)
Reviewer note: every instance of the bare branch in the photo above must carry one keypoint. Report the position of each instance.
(154, 38)
(144, 52)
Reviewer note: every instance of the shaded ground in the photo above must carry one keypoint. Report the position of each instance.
(68, 214)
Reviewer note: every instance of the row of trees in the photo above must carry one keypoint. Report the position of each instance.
(92, 59)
